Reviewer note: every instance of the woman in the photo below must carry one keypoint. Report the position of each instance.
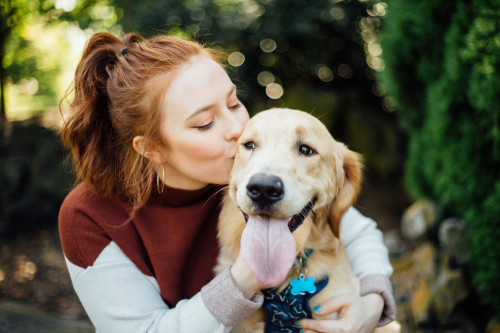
(152, 128)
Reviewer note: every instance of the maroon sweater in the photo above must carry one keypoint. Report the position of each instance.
(172, 238)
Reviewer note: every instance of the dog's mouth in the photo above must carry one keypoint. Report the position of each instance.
(296, 220)
(268, 246)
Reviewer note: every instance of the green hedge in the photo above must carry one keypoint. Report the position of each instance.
(443, 69)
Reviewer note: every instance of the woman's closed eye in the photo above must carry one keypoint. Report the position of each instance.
(235, 106)
(209, 123)
(205, 127)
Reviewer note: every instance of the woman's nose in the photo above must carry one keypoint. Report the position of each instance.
(235, 128)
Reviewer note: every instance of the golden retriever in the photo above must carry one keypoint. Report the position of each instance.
(293, 182)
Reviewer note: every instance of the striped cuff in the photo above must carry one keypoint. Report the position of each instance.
(380, 284)
(226, 302)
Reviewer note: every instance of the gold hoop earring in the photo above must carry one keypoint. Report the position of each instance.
(162, 188)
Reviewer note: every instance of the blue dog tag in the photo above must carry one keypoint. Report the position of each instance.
(302, 285)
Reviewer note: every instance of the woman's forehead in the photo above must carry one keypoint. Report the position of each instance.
(198, 84)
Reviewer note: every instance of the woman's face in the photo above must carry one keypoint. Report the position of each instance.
(202, 119)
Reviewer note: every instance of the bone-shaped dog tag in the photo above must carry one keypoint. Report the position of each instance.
(302, 285)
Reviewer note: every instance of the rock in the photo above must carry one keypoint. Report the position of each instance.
(449, 290)
(20, 318)
(430, 281)
(493, 326)
(451, 239)
(420, 303)
(424, 260)
(395, 243)
(418, 219)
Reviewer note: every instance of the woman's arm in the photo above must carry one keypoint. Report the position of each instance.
(364, 245)
(369, 257)
(375, 306)
(119, 298)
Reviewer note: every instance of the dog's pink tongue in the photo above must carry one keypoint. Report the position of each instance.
(268, 248)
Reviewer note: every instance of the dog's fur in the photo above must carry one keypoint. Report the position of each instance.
(331, 176)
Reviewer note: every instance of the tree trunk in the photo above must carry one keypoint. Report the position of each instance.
(3, 118)
(4, 32)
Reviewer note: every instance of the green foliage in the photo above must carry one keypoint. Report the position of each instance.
(30, 33)
(484, 246)
(314, 50)
(306, 36)
(443, 66)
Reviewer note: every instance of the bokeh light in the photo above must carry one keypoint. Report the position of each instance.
(345, 71)
(324, 73)
(369, 27)
(389, 104)
(66, 5)
(265, 78)
(25, 269)
(236, 59)
(274, 91)
(268, 45)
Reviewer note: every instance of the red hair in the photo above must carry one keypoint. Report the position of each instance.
(114, 102)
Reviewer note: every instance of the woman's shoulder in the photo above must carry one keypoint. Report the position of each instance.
(81, 195)
(84, 217)
(84, 199)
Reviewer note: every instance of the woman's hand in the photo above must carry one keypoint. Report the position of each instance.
(356, 314)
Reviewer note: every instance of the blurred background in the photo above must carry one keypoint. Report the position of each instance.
(413, 86)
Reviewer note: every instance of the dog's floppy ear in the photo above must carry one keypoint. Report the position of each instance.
(349, 189)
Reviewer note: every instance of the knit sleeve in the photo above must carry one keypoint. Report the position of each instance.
(233, 307)
(380, 284)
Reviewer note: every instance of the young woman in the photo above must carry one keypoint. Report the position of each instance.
(152, 130)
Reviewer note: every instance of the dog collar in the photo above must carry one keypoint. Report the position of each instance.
(297, 219)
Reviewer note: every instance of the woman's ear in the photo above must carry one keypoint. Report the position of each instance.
(349, 189)
(147, 149)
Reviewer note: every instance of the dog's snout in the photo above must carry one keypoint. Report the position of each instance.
(264, 189)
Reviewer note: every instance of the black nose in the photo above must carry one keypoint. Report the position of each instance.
(265, 190)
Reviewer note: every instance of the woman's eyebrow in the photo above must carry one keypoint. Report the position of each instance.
(210, 106)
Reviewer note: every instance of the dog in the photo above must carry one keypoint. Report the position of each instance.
(290, 185)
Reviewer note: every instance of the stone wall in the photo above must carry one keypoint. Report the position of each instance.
(431, 281)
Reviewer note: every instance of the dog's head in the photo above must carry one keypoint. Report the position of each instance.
(287, 163)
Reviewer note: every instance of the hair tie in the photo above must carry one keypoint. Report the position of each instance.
(125, 50)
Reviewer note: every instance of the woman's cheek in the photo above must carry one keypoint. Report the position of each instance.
(212, 153)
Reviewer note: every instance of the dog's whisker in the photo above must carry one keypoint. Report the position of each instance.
(224, 199)
(222, 188)
(214, 194)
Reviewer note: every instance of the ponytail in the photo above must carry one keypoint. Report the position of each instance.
(88, 129)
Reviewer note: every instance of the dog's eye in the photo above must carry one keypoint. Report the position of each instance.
(306, 150)
(250, 145)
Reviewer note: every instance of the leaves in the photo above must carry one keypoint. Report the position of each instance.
(444, 72)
